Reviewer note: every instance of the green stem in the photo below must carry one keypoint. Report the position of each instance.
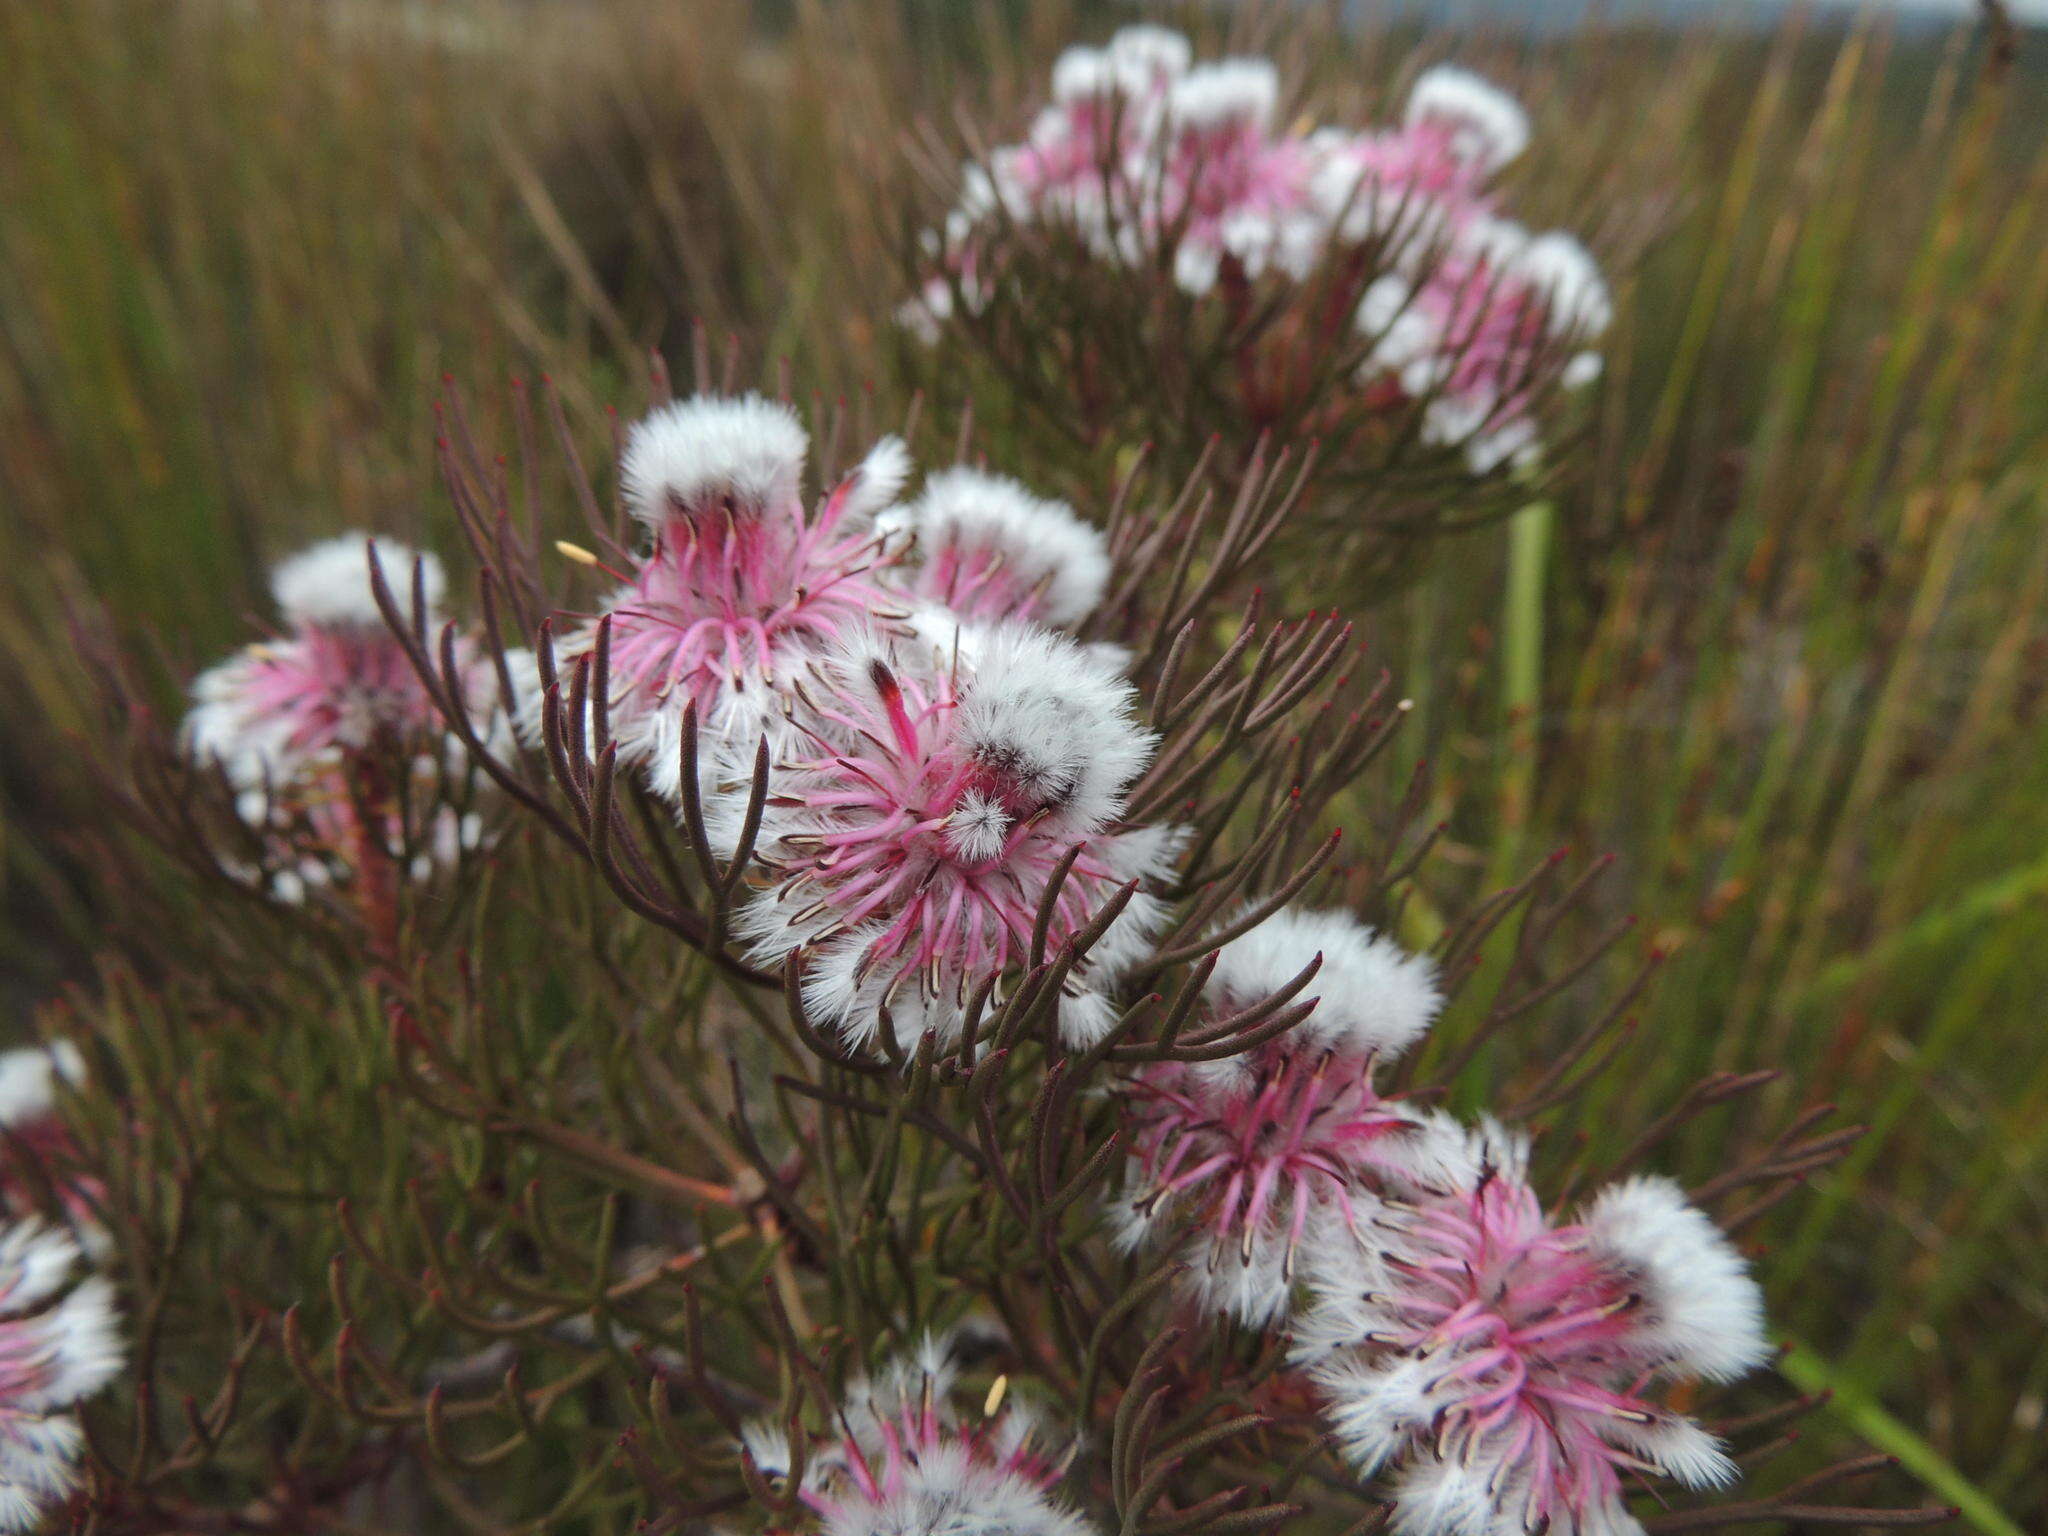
(1521, 696)
(1521, 668)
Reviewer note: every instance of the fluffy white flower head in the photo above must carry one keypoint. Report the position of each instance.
(684, 456)
(913, 831)
(1081, 74)
(1048, 718)
(1498, 1361)
(1150, 53)
(1702, 1311)
(1139, 62)
(1254, 1153)
(1488, 127)
(1376, 998)
(1567, 278)
(906, 1465)
(327, 585)
(1227, 93)
(879, 478)
(990, 549)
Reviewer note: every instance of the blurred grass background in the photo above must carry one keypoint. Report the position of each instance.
(1779, 643)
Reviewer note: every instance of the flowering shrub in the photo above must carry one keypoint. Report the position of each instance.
(1218, 274)
(903, 1052)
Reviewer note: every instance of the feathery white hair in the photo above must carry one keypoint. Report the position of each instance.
(29, 1077)
(1081, 74)
(1566, 275)
(687, 452)
(1255, 1289)
(1039, 540)
(1702, 1309)
(1488, 126)
(1487, 1146)
(1450, 1496)
(1678, 1448)
(1373, 1408)
(1150, 52)
(1344, 1265)
(327, 585)
(1138, 62)
(879, 478)
(1376, 998)
(1057, 719)
(1228, 91)
(251, 748)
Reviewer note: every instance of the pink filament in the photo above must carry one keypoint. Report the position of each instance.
(1533, 1331)
(725, 589)
(889, 853)
(1306, 1124)
(329, 684)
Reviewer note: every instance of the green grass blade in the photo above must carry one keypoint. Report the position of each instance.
(1811, 1373)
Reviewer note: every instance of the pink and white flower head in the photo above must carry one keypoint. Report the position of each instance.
(1499, 1361)
(1228, 185)
(1474, 125)
(911, 834)
(327, 586)
(907, 1463)
(1135, 146)
(1479, 334)
(287, 720)
(1229, 102)
(1254, 1150)
(741, 582)
(54, 1353)
(335, 681)
(987, 549)
(1418, 185)
(1139, 62)
(1076, 166)
(32, 1127)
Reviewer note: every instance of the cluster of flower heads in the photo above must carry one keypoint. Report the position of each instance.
(906, 1461)
(938, 747)
(1149, 158)
(1491, 1357)
(296, 721)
